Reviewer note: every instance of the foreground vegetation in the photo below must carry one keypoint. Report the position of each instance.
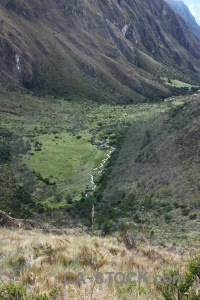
(34, 264)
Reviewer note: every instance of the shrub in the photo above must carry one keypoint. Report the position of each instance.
(167, 218)
(108, 227)
(11, 291)
(137, 218)
(85, 256)
(148, 203)
(185, 211)
(183, 289)
(176, 205)
(193, 216)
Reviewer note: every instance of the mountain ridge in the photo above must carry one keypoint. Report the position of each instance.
(180, 8)
(113, 51)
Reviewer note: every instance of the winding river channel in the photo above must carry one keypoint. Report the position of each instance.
(99, 170)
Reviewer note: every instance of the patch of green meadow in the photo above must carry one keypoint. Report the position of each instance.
(176, 83)
(64, 160)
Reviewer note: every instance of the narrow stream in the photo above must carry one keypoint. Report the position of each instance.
(99, 170)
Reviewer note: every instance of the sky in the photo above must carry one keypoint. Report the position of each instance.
(194, 6)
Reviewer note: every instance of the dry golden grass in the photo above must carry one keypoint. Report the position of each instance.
(39, 261)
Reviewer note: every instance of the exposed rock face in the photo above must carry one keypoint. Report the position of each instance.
(180, 8)
(105, 50)
(8, 221)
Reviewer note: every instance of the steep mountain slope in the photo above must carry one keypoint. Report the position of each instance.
(168, 142)
(180, 8)
(103, 50)
(155, 178)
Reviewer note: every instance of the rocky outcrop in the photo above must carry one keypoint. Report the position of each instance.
(7, 221)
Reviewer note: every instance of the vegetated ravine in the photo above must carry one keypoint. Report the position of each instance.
(98, 170)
